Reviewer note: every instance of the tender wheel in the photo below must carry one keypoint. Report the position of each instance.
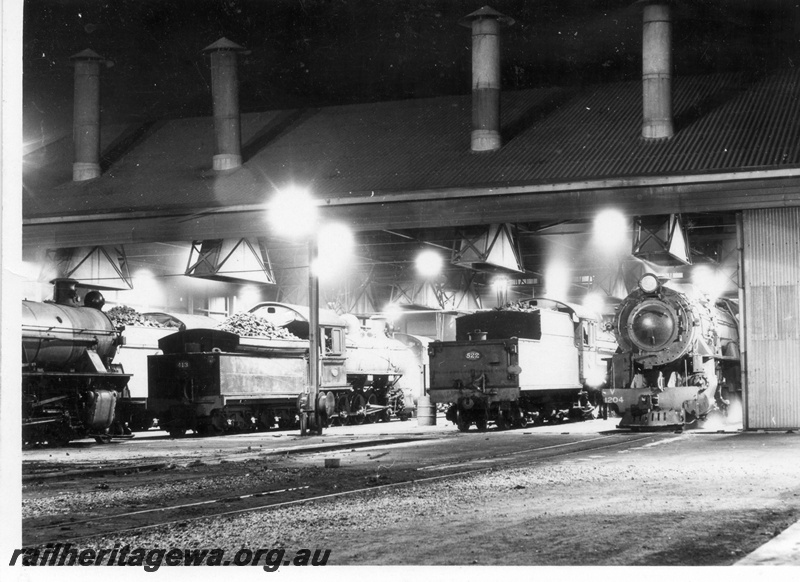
(462, 422)
(319, 424)
(103, 439)
(218, 422)
(518, 418)
(501, 422)
(481, 423)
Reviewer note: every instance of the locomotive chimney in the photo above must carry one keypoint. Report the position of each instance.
(657, 69)
(86, 116)
(485, 24)
(225, 96)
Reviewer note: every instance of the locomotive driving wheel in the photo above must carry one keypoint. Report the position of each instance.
(501, 422)
(371, 401)
(358, 406)
(343, 409)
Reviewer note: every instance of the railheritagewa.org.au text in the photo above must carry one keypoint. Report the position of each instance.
(151, 559)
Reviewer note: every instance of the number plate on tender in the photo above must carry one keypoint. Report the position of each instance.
(473, 355)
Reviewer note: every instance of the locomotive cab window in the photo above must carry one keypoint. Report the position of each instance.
(332, 340)
(589, 333)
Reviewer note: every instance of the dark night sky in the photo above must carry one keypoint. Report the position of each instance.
(316, 52)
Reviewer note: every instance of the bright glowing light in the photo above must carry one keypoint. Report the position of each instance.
(392, 312)
(429, 263)
(147, 290)
(594, 302)
(611, 230)
(595, 377)
(144, 274)
(709, 281)
(293, 212)
(335, 251)
(500, 284)
(649, 283)
(556, 280)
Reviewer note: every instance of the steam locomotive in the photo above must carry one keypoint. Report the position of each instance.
(212, 381)
(70, 388)
(678, 360)
(534, 361)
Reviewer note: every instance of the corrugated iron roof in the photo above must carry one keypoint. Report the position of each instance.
(724, 123)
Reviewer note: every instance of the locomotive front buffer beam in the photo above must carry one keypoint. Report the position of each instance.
(651, 409)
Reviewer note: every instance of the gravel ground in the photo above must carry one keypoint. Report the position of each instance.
(679, 505)
(171, 486)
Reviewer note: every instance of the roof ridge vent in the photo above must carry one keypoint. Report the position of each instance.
(485, 24)
(225, 96)
(86, 114)
(657, 69)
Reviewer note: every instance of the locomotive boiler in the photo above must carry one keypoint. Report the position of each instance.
(535, 361)
(70, 388)
(678, 359)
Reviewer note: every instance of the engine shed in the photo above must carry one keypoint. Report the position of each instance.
(702, 170)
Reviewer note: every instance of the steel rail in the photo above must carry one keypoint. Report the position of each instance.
(337, 494)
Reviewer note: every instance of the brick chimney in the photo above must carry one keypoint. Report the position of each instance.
(86, 115)
(225, 95)
(657, 70)
(485, 24)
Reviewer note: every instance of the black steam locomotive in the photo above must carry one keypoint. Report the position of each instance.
(70, 388)
(532, 362)
(678, 361)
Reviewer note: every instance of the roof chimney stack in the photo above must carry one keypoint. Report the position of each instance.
(657, 70)
(86, 115)
(225, 95)
(485, 24)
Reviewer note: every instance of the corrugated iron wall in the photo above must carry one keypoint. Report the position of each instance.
(771, 255)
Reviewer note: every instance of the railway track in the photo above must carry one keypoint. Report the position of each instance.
(350, 481)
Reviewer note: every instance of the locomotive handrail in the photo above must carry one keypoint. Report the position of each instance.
(67, 329)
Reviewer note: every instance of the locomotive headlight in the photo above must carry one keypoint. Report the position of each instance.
(649, 283)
